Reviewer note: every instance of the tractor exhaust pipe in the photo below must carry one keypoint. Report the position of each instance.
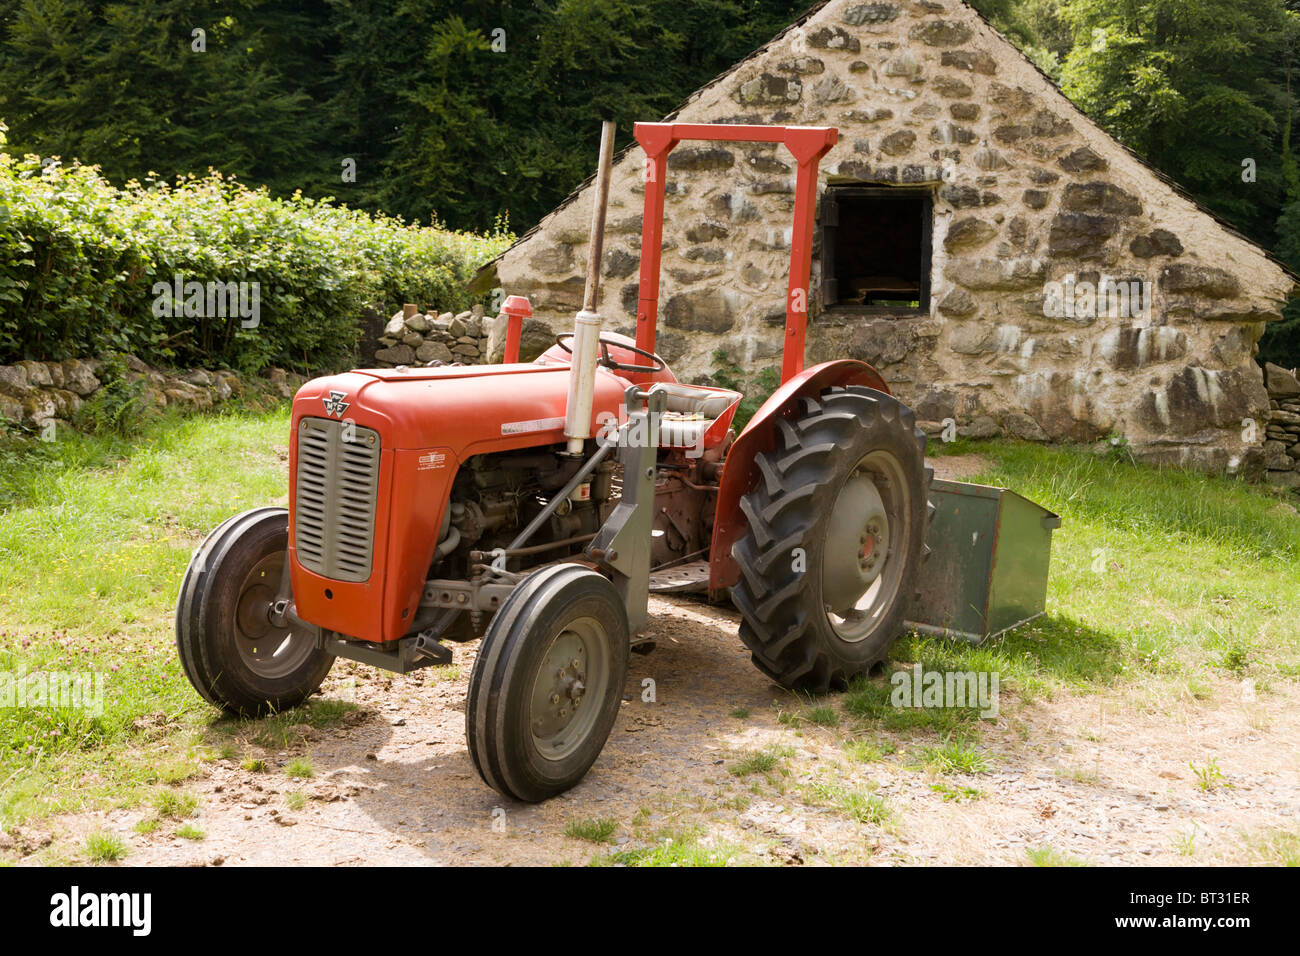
(586, 325)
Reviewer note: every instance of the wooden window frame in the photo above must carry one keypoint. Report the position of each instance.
(829, 222)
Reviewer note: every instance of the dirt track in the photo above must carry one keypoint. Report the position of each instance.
(1093, 777)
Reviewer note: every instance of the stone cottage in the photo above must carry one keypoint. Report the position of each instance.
(1006, 265)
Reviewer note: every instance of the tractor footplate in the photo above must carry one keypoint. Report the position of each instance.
(692, 577)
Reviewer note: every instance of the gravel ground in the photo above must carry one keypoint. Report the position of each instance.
(1105, 778)
(1099, 778)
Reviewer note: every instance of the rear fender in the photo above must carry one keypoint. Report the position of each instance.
(740, 472)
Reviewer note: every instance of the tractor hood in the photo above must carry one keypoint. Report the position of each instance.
(413, 430)
(468, 409)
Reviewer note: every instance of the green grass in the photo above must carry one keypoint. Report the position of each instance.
(855, 804)
(822, 716)
(1274, 848)
(865, 751)
(176, 804)
(282, 730)
(760, 761)
(300, 768)
(1197, 575)
(95, 534)
(956, 794)
(188, 831)
(1048, 855)
(869, 700)
(741, 713)
(295, 799)
(593, 831)
(955, 755)
(673, 848)
(105, 847)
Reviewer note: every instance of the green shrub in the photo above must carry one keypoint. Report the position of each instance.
(117, 407)
(81, 263)
(757, 388)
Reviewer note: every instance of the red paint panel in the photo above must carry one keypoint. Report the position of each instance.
(459, 412)
(421, 489)
(517, 308)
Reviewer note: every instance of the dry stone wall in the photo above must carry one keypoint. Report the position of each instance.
(1035, 212)
(1282, 438)
(415, 337)
(33, 394)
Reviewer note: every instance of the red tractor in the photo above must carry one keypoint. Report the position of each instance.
(537, 505)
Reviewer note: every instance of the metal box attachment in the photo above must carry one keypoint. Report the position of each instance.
(987, 570)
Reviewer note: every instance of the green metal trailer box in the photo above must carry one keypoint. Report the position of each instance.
(987, 569)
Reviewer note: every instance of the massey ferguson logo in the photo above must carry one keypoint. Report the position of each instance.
(334, 405)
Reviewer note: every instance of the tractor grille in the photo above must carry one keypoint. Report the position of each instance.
(334, 496)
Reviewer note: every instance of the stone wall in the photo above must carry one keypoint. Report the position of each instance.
(1282, 438)
(35, 393)
(418, 337)
(1032, 203)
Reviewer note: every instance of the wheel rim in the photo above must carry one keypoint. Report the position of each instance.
(570, 684)
(863, 556)
(267, 650)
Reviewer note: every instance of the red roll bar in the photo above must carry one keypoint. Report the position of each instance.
(808, 144)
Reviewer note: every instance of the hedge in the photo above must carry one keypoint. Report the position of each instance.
(85, 268)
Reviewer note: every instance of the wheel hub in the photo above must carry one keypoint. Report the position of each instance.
(560, 687)
(859, 576)
(269, 649)
(857, 543)
(874, 547)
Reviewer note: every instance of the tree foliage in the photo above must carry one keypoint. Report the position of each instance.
(470, 109)
(463, 110)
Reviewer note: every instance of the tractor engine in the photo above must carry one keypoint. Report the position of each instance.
(494, 497)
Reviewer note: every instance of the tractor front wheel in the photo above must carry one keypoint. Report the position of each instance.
(836, 534)
(547, 683)
(230, 648)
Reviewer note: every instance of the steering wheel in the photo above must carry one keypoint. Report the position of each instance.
(607, 360)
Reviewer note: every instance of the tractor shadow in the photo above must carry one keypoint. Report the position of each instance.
(407, 771)
(393, 777)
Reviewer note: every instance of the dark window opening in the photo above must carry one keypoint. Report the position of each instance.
(876, 248)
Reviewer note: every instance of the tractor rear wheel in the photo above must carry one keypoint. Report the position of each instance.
(230, 649)
(547, 683)
(836, 535)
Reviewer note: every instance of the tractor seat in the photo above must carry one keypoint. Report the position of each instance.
(696, 416)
